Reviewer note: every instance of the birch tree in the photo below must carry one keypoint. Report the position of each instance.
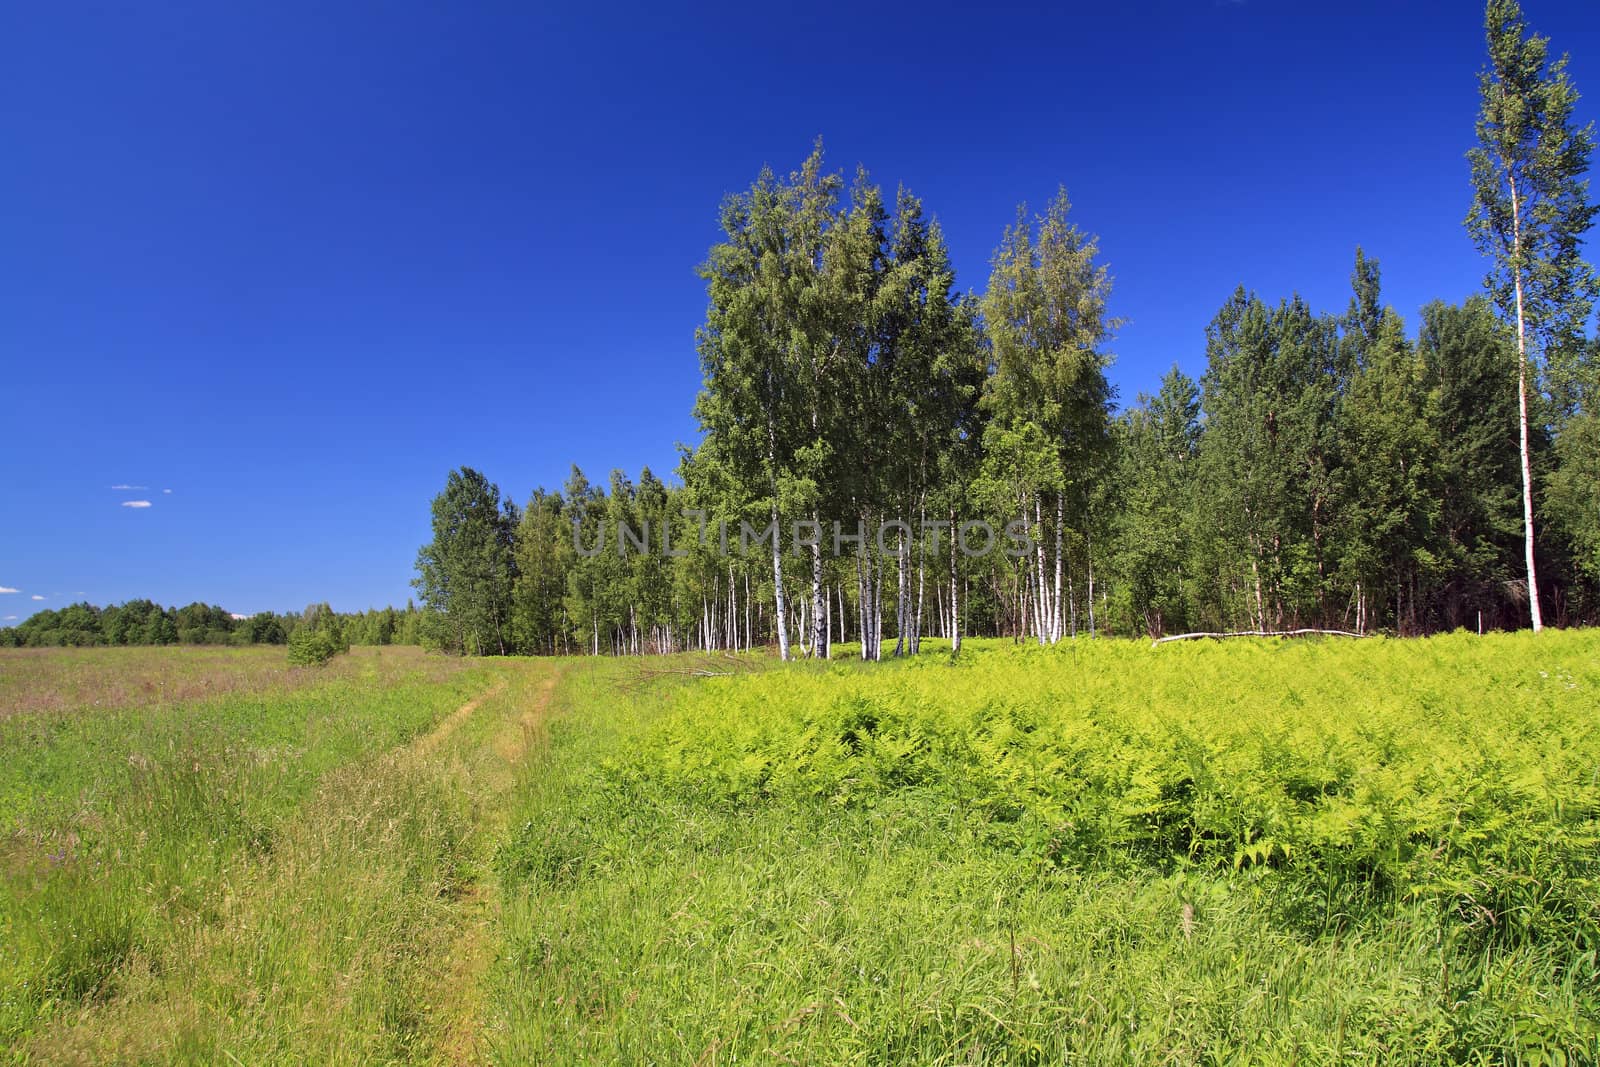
(756, 348)
(1530, 212)
(1045, 315)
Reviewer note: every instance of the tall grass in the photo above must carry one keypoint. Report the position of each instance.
(132, 832)
(354, 940)
(1102, 853)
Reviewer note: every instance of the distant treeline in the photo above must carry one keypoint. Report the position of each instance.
(144, 622)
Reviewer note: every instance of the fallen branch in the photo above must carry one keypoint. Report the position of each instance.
(1256, 633)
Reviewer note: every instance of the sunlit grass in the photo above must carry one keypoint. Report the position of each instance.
(77, 680)
(1250, 852)
(1103, 853)
(129, 831)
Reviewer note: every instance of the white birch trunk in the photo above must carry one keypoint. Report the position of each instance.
(1055, 605)
(780, 616)
(955, 602)
(916, 615)
(1522, 413)
(875, 618)
(861, 604)
(819, 603)
(900, 602)
(1090, 562)
(1042, 593)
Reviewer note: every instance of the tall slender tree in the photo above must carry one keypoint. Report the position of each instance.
(1530, 210)
(759, 346)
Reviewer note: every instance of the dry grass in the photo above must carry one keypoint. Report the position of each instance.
(79, 679)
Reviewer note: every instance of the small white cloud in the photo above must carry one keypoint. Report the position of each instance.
(235, 616)
(8, 589)
(10, 618)
(136, 503)
(36, 596)
(166, 490)
(126, 487)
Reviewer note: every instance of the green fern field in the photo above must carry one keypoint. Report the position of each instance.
(1239, 852)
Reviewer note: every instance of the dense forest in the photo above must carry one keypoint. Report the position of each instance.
(143, 622)
(1327, 469)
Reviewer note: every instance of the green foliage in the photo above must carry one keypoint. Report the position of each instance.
(466, 574)
(1530, 206)
(1250, 851)
(314, 646)
(1471, 362)
(143, 622)
(1157, 446)
(1575, 483)
(544, 555)
(1388, 511)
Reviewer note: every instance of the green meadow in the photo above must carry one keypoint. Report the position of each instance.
(1251, 851)
(1243, 852)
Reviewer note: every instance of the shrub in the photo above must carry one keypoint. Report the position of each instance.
(314, 647)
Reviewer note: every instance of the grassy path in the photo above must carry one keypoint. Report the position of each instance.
(432, 740)
(464, 1013)
(361, 934)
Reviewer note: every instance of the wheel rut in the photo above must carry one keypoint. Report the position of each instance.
(464, 996)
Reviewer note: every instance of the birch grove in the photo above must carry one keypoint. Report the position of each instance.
(885, 459)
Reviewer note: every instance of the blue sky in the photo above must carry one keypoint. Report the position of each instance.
(293, 262)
